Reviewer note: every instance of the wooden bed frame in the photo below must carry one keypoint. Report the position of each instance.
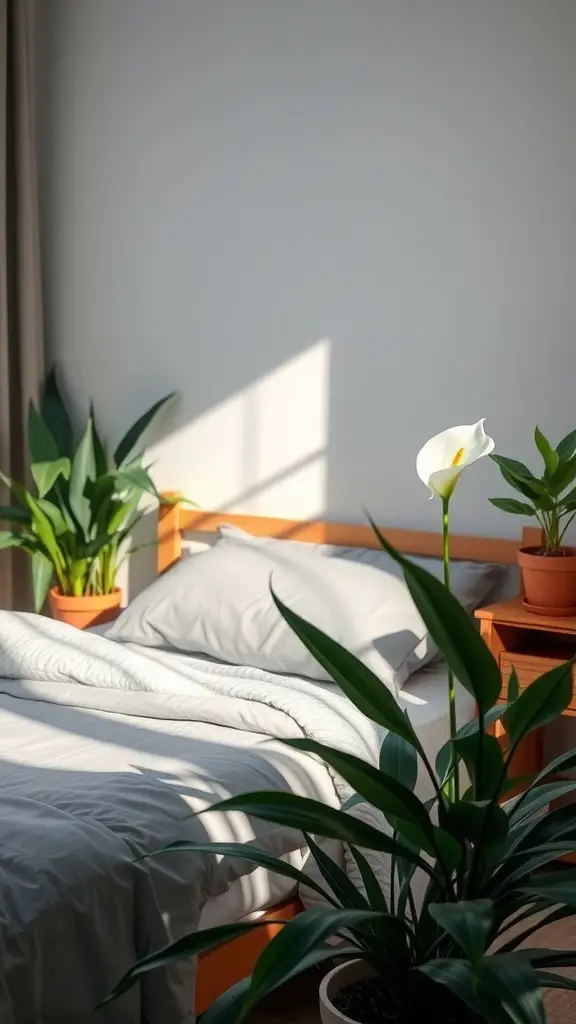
(226, 965)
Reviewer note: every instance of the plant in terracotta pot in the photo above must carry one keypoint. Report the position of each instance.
(450, 887)
(548, 571)
(84, 505)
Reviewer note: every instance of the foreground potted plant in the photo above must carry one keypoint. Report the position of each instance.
(84, 507)
(466, 885)
(548, 571)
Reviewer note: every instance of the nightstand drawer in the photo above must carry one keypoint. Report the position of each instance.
(529, 667)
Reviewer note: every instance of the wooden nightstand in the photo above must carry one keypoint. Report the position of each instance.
(531, 644)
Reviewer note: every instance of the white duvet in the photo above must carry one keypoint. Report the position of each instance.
(76, 906)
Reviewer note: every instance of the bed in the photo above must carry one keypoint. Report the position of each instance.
(107, 750)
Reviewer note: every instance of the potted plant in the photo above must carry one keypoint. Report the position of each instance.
(83, 507)
(548, 571)
(466, 884)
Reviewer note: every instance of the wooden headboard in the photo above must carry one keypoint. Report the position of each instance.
(175, 520)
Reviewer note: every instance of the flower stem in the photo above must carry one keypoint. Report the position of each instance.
(453, 782)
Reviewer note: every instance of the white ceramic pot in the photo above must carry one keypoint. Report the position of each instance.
(339, 977)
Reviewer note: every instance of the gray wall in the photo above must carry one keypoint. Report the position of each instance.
(228, 183)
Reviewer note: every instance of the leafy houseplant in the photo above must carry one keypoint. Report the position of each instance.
(452, 953)
(83, 508)
(548, 571)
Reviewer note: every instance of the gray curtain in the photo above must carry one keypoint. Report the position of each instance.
(21, 341)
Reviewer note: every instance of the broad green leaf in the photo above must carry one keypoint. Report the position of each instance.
(469, 922)
(42, 573)
(569, 498)
(520, 473)
(486, 773)
(56, 417)
(558, 914)
(468, 729)
(533, 493)
(381, 791)
(549, 455)
(311, 816)
(45, 474)
(14, 514)
(548, 957)
(132, 436)
(466, 821)
(567, 447)
(60, 524)
(359, 684)
(83, 470)
(503, 989)
(399, 760)
(100, 456)
(247, 852)
(540, 703)
(563, 477)
(451, 629)
(515, 508)
(297, 938)
(547, 979)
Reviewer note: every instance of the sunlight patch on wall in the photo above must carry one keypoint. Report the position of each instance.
(263, 449)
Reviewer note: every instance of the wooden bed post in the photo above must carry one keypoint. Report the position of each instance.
(169, 531)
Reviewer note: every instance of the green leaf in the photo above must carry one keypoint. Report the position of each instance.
(42, 573)
(297, 938)
(541, 702)
(359, 684)
(503, 989)
(451, 629)
(372, 887)
(522, 486)
(344, 890)
(548, 980)
(487, 772)
(100, 456)
(45, 474)
(14, 514)
(558, 887)
(466, 821)
(83, 470)
(56, 517)
(512, 469)
(9, 540)
(515, 508)
(399, 760)
(247, 852)
(44, 530)
(132, 436)
(564, 475)
(56, 417)
(41, 445)
(136, 477)
(567, 447)
(443, 756)
(513, 687)
(311, 816)
(534, 799)
(469, 922)
(549, 455)
(183, 949)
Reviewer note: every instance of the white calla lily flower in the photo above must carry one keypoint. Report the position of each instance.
(442, 459)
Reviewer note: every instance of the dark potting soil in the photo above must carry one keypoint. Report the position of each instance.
(369, 1002)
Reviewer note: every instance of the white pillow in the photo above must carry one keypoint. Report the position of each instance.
(218, 603)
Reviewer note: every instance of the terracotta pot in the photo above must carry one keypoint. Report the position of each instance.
(83, 612)
(339, 977)
(549, 581)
